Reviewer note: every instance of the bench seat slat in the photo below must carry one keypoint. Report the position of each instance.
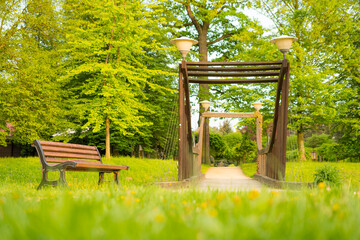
(99, 167)
(71, 150)
(61, 160)
(67, 155)
(86, 167)
(68, 145)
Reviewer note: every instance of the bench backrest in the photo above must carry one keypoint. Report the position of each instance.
(58, 152)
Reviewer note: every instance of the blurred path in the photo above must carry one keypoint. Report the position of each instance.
(228, 178)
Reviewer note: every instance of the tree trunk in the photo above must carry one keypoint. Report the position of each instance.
(301, 145)
(204, 95)
(107, 143)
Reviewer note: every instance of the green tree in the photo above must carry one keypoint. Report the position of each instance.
(216, 24)
(29, 95)
(314, 61)
(225, 127)
(106, 72)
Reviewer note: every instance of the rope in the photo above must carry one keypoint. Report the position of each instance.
(169, 148)
(293, 158)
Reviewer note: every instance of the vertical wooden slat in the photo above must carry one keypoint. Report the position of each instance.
(285, 106)
(189, 154)
(181, 127)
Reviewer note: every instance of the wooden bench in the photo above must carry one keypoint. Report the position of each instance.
(58, 156)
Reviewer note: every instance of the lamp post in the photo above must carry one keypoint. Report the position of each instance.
(184, 45)
(205, 104)
(257, 106)
(283, 43)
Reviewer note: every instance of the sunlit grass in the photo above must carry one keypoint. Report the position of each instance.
(139, 210)
(27, 172)
(154, 213)
(304, 171)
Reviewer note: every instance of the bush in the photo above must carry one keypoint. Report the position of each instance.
(317, 140)
(330, 152)
(327, 174)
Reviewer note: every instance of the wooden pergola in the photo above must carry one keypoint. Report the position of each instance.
(272, 158)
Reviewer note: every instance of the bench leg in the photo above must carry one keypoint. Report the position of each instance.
(45, 182)
(101, 177)
(62, 180)
(116, 178)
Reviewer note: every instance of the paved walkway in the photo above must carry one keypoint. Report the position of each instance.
(228, 178)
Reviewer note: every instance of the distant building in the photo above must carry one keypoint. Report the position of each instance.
(11, 150)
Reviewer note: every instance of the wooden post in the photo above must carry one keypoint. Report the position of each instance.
(189, 165)
(258, 139)
(182, 128)
(284, 120)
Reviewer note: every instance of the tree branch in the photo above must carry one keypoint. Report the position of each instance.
(221, 9)
(193, 19)
(220, 38)
(181, 26)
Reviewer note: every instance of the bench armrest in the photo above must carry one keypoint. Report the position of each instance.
(61, 166)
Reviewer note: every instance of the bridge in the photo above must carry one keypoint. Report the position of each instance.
(272, 158)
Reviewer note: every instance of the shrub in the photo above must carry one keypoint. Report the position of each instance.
(328, 174)
(330, 151)
(317, 140)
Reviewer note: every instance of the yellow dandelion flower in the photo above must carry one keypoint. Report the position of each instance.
(203, 205)
(137, 200)
(213, 213)
(335, 207)
(236, 199)
(133, 192)
(220, 197)
(159, 218)
(253, 194)
(275, 193)
(15, 195)
(321, 185)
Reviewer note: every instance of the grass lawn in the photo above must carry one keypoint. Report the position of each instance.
(142, 211)
(304, 171)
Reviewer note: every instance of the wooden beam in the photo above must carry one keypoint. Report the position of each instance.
(229, 115)
(233, 69)
(232, 81)
(234, 63)
(233, 74)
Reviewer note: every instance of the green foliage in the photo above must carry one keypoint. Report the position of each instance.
(330, 152)
(246, 150)
(30, 97)
(317, 140)
(239, 147)
(328, 174)
(217, 145)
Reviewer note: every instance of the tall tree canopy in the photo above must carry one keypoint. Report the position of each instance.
(29, 60)
(106, 70)
(322, 60)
